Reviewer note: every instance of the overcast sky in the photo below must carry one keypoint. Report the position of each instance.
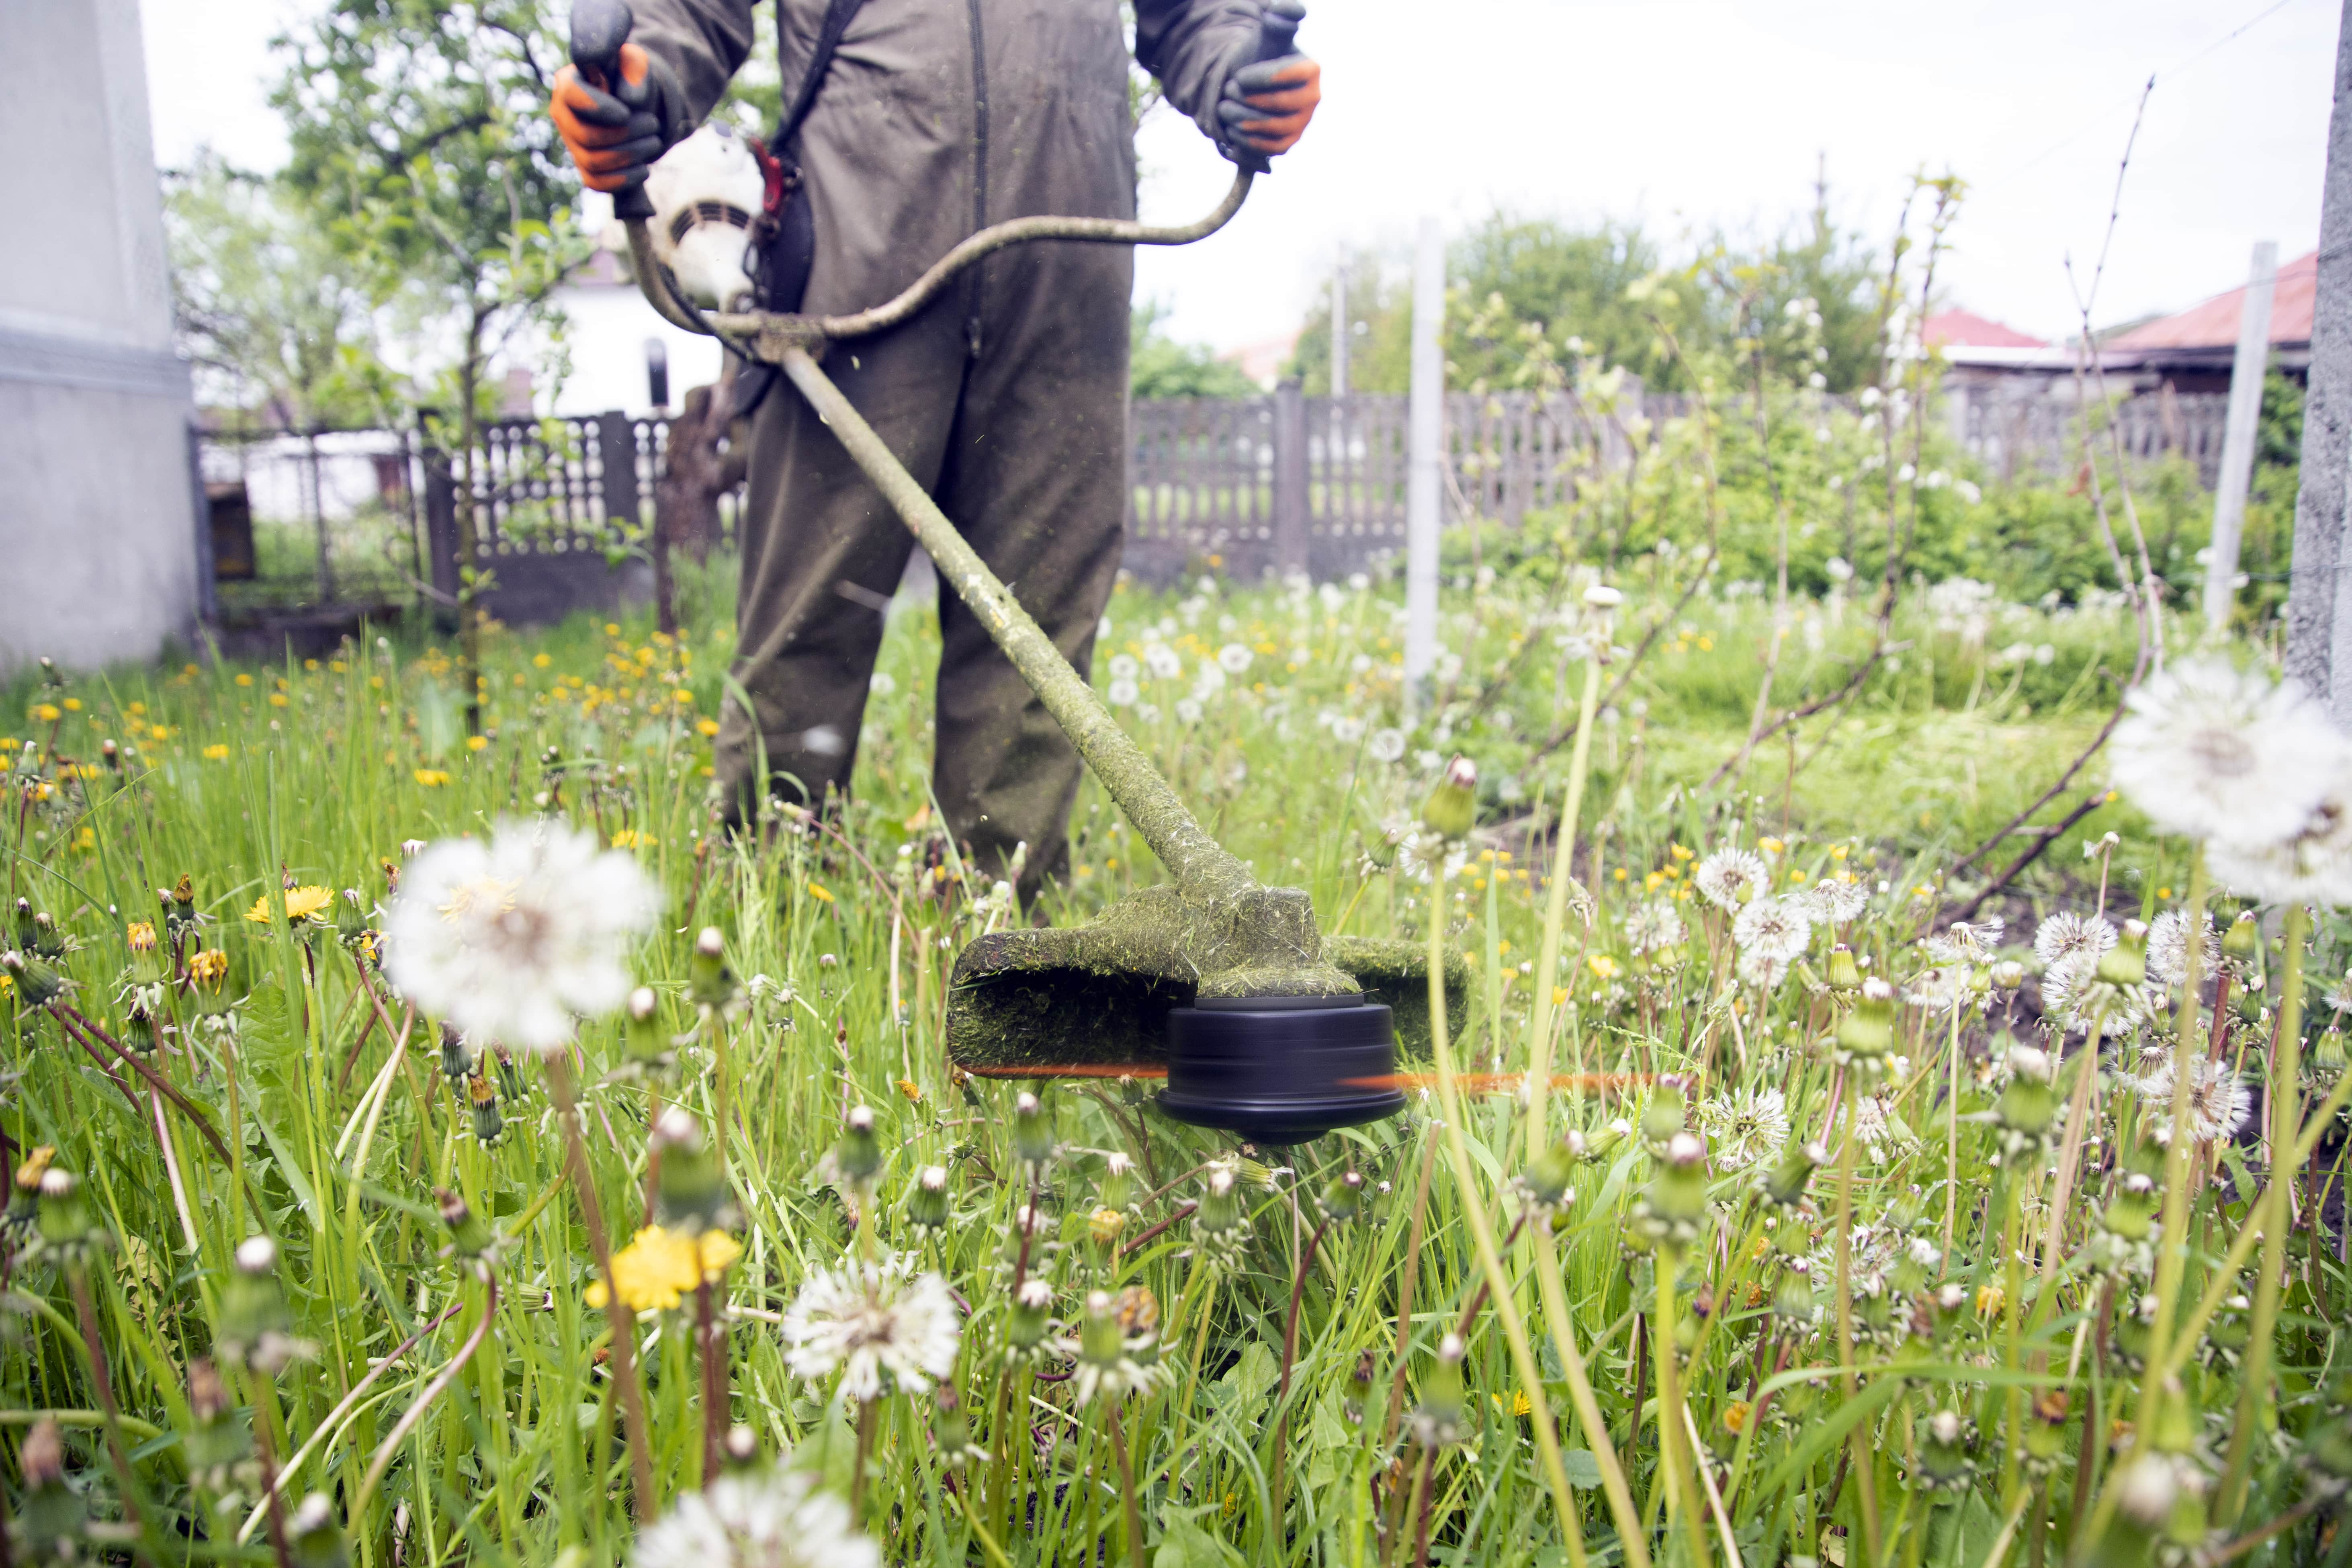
(1685, 114)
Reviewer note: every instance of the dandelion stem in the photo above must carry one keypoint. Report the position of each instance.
(618, 1315)
(390, 1448)
(1858, 1441)
(1482, 1233)
(1555, 911)
(1134, 1521)
(2284, 1104)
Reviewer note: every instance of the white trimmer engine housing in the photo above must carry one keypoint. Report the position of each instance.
(706, 191)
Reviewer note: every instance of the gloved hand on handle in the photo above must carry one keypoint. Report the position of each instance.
(1267, 104)
(615, 131)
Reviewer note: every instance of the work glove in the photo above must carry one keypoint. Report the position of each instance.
(614, 137)
(1267, 104)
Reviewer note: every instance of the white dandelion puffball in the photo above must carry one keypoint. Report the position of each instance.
(1163, 661)
(2167, 948)
(778, 1520)
(2315, 867)
(1188, 710)
(1773, 928)
(863, 1319)
(1728, 878)
(1839, 898)
(2209, 753)
(1234, 658)
(1386, 745)
(1763, 968)
(1746, 1128)
(513, 939)
(1123, 693)
(2063, 936)
(1124, 668)
(1653, 926)
(1347, 730)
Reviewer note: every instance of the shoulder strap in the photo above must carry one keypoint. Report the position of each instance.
(828, 37)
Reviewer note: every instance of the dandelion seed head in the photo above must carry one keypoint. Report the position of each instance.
(513, 939)
(2211, 753)
(867, 1321)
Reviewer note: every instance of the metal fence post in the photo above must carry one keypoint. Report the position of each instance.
(440, 527)
(1423, 480)
(2238, 438)
(1290, 496)
(616, 441)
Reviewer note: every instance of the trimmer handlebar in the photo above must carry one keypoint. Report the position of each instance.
(599, 28)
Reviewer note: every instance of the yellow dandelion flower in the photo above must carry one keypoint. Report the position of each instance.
(136, 709)
(73, 704)
(630, 839)
(244, 680)
(540, 661)
(653, 1271)
(209, 968)
(682, 697)
(706, 727)
(1735, 1415)
(911, 1089)
(1603, 967)
(278, 699)
(1679, 852)
(48, 713)
(216, 753)
(1770, 845)
(1990, 1300)
(140, 935)
(1105, 1224)
(302, 903)
(717, 1252)
(431, 778)
(477, 742)
(817, 893)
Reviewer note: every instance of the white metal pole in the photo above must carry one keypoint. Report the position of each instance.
(2236, 475)
(1340, 327)
(1422, 484)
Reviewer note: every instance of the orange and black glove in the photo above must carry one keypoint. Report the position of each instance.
(1267, 104)
(615, 135)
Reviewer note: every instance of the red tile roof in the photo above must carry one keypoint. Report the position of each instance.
(1966, 330)
(2214, 323)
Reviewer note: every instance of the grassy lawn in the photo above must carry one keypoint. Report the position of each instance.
(1291, 1339)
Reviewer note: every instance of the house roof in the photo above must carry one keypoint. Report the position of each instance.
(1966, 330)
(2214, 323)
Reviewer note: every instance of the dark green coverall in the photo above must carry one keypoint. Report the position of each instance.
(1006, 398)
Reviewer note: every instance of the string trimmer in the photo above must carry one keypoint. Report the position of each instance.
(1261, 1024)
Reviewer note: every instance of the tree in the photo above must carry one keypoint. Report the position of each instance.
(271, 313)
(1160, 366)
(421, 143)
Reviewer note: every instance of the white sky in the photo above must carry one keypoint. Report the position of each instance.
(1683, 113)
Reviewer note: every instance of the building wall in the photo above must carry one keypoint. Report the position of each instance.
(97, 508)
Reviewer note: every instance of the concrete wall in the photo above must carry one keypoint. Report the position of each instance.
(97, 508)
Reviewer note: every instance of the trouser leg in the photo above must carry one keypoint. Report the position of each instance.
(1035, 473)
(821, 551)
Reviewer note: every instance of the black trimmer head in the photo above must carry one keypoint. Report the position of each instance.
(1282, 1069)
(1263, 1026)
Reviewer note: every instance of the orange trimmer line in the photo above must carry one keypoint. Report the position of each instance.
(1468, 1082)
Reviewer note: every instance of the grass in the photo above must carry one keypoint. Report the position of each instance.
(1806, 1414)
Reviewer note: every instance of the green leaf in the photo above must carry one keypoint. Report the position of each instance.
(1583, 1469)
(1253, 1377)
(1190, 1543)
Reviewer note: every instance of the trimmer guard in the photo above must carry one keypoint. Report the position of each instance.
(1098, 994)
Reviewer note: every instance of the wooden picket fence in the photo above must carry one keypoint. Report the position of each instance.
(1283, 483)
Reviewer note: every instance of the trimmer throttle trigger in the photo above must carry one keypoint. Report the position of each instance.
(1278, 35)
(599, 28)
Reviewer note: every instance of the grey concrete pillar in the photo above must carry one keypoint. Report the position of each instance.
(2319, 598)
